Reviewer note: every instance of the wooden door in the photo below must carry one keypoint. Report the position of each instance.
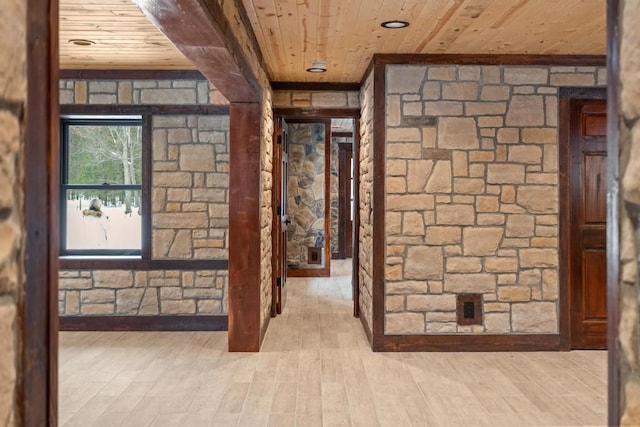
(280, 222)
(588, 250)
(345, 195)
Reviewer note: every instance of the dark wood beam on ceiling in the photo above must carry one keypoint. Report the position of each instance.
(200, 30)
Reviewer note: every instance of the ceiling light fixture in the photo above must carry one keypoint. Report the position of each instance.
(395, 24)
(318, 66)
(82, 42)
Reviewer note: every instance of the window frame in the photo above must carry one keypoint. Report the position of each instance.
(107, 258)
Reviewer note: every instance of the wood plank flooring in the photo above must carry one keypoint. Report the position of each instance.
(316, 369)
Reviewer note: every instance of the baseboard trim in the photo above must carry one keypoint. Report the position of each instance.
(367, 330)
(468, 343)
(144, 323)
(263, 331)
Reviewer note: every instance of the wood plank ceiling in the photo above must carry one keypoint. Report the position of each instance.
(346, 34)
(124, 38)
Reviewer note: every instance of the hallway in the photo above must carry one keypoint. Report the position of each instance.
(316, 368)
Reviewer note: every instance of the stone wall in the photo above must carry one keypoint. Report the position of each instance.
(315, 99)
(334, 191)
(629, 213)
(12, 101)
(365, 163)
(472, 195)
(190, 212)
(306, 193)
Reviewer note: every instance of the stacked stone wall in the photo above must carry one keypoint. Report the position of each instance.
(190, 210)
(365, 163)
(629, 212)
(13, 92)
(472, 195)
(306, 193)
(315, 99)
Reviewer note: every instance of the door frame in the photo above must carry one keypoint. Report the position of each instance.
(567, 96)
(328, 113)
(37, 382)
(277, 229)
(345, 235)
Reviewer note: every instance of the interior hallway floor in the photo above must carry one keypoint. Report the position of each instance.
(316, 369)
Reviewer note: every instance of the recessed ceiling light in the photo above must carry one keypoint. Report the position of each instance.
(82, 42)
(395, 24)
(318, 66)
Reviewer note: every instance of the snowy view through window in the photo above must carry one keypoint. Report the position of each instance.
(102, 185)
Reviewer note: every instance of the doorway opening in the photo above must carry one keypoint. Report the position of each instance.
(583, 218)
(314, 197)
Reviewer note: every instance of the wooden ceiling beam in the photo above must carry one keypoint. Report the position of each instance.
(199, 29)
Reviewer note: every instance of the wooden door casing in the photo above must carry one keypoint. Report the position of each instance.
(587, 246)
(279, 233)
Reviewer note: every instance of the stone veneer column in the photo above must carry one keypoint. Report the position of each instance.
(629, 214)
(12, 99)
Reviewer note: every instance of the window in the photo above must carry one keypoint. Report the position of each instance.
(101, 186)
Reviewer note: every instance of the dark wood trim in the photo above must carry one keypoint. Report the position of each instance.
(300, 113)
(95, 109)
(355, 275)
(37, 380)
(613, 209)
(245, 193)
(144, 323)
(276, 221)
(309, 272)
(248, 28)
(208, 42)
(263, 330)
(378, 200)
(468, 343)
(567, 95)
(82, 74)
(488, 59)
(583, 92)
(367, 331)
(147, 185)
(143, 264)
(327, 195)
(564, 220)
(316, 86)
(344, 200)
(342, 135)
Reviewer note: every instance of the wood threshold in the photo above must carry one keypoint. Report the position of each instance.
(308, 272)
(468, 343)
(145, 323)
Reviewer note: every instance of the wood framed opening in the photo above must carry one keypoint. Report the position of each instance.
(296, 114)
(582, 186)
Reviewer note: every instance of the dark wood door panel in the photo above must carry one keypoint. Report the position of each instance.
(594, 279)
(587, 212)
(595, 187)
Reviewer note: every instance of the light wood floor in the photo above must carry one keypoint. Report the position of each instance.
(315, 369)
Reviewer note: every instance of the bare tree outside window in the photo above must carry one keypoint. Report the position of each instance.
(101, 162)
